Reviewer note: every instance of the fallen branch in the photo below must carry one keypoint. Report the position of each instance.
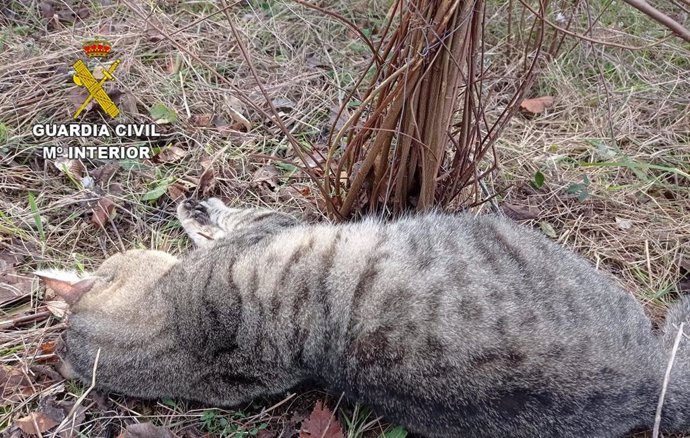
(661, 18)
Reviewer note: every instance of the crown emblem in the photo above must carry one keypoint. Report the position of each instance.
(98, 48)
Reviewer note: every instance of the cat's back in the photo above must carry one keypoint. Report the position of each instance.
(477, 269)
(493, 320)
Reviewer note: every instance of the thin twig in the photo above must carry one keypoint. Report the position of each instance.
(660, 18)
(26, 319)
(273, 115)
(667, 376)
(80, 400)
(348, 23)
(585, 37)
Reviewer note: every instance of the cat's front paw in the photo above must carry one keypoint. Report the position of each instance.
(193, 209)
(198, 221)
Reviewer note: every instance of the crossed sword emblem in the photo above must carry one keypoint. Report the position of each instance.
(84, 78)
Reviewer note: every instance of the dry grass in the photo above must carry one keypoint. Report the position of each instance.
(621, 118)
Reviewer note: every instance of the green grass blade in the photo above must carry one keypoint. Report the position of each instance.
(37, 217)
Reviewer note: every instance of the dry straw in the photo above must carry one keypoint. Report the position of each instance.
(420, 132)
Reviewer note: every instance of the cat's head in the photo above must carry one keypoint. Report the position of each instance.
(103, 301)
(113, 284)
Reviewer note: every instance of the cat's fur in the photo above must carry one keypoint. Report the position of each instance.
(454, 326)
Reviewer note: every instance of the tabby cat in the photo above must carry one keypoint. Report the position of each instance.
(453, 326)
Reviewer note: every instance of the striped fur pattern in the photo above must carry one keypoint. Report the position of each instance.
(454, 326)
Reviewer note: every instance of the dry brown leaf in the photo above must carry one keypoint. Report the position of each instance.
(116, 189)
(266, 175)
(47, 347)
(128, 104)
(234, 103)
(36, 423)
(103, 174)
(176, 192)
(207, 179)
(47, 9)
(537, 105)
(520, 212)
(103, 211)
(76, 98)
(241, 122)
(235, 110)
(9, 259)
(146, 430)
(169, 154)
(74, 168)
(321, 424)
(14, 384)
(57, 307)
(201, 120)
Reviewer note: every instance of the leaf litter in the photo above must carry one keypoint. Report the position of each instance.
(321, 423)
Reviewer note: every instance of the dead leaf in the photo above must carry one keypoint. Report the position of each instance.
(103, 211)
(14, 384)
(283, 104)
(9, 259)
(128, 104)
(36, 423)
(537, 105)
(315, 160)
(146, 430)
(13, 286)
(548, 229)
(57, 307)
(116, 189)
(266, 175)
(169, 154)
(47, 9)
(201, 120)
(57, 410)
(46, 373)
(76, 98)
(313, 61)
(103, 174)
(176, 192)
(520, 212)
(321, 424)
(235, 109)
(234, 103)
(74, 168)
(207, 180)
(48, 347)
(624, 224)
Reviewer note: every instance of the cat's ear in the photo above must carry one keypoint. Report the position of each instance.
(67, 284)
